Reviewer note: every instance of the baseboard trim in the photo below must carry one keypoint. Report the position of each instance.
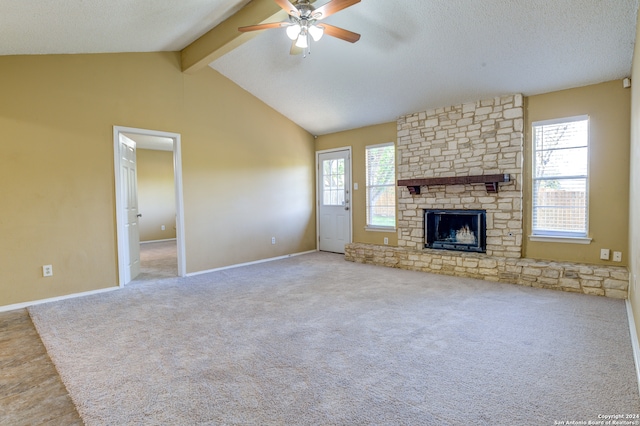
(158, 241)
(22, 305)
(255, 262)
(54, 299)
(634, 341)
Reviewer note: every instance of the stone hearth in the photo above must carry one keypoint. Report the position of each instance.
(610, 281)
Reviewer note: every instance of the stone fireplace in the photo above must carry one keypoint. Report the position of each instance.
(479, 138)
(469, 157)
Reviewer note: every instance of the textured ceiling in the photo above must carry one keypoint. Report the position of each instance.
(419, 54)
(413, 54)
(99, 26)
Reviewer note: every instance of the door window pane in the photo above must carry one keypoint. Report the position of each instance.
(333, 182)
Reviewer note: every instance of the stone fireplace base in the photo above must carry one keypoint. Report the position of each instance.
(601, 280)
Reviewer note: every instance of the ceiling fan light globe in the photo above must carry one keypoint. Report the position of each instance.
(316, 32)
(293, 31)
(302, 42)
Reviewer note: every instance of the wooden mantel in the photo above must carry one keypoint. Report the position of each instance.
(490, 182)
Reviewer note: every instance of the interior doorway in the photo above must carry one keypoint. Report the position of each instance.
(126, 185)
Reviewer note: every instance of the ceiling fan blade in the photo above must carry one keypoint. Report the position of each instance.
(288, 7)
(263, 26)
(340, 33)
(295, 50)
(332, 7)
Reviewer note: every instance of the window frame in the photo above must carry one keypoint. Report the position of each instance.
(560, 236)
(381, 228)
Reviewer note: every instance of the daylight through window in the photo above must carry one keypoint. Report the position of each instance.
(560, 177)
(333, 189)
(381, 186)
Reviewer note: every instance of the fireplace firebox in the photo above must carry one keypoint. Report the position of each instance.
(460, 230)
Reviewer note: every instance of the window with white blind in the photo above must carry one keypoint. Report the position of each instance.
(381, 186)
(561, 177)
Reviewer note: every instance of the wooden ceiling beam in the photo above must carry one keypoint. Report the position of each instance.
(225, 37)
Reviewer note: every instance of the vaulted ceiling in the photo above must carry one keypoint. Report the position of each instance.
(413, 54)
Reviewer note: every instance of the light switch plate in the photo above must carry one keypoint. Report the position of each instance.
(604, 254)
(617, 256)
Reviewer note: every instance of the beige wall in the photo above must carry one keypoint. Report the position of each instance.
(608, 106)
(247, 170)
(634, 193)
(249, 176)
(358, 139)
(156, 195)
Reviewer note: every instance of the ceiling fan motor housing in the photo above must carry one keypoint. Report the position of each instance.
(305, 9)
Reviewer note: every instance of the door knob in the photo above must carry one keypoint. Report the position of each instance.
(346, 208)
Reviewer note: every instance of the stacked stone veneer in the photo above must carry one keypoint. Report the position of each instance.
(478, 138)
(610, 281)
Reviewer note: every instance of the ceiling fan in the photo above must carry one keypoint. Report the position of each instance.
(304, 23)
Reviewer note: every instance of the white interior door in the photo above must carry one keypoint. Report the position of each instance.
(334, 182)
(129, 184)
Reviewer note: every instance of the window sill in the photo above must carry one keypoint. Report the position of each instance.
(380, 228)
(550, 239)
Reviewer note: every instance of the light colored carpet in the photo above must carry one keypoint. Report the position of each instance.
(158, 260)
(317, 340)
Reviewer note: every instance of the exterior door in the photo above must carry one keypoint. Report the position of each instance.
(129, 184)
(334, 183)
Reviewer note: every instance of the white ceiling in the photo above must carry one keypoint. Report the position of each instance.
(413, 54)
(421, 54)
(99, 26)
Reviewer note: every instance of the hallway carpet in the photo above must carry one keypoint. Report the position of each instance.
(158, 260)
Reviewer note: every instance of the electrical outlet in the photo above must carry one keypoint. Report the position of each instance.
(604, 254)
(617, 256)
(386, 241)
(162, 228)
(273, 240)
(47, 271)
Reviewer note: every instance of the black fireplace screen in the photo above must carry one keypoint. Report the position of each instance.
(462, 230)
